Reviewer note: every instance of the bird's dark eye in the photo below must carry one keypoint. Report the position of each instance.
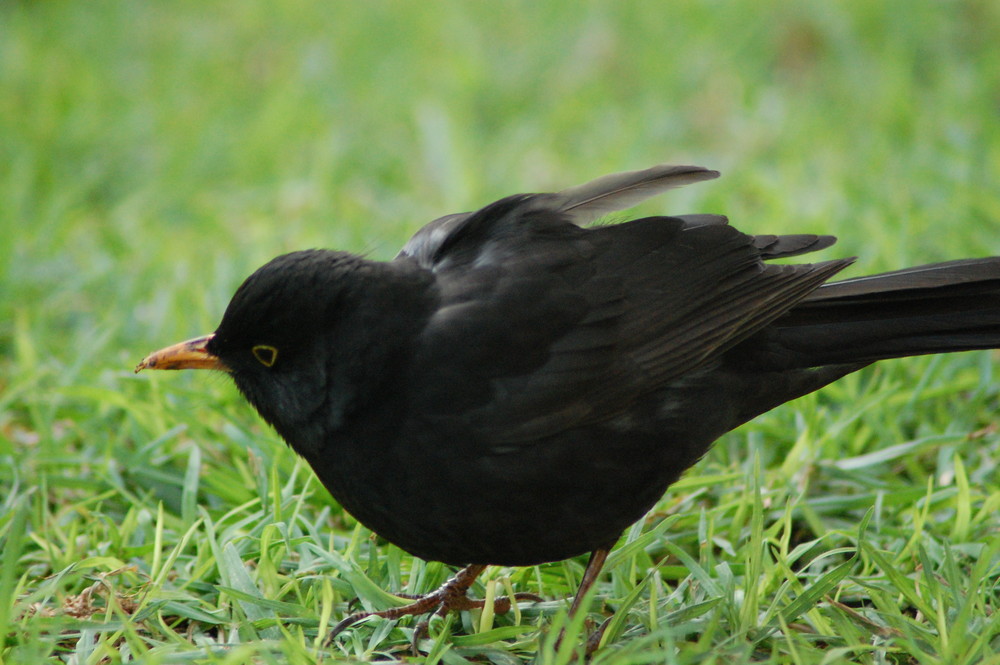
(267, 355)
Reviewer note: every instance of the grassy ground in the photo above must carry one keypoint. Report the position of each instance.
(152, 154)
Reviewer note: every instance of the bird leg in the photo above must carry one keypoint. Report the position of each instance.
(452, 596)
(590, 573)
(449, 596)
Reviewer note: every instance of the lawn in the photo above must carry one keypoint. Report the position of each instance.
(153, 154)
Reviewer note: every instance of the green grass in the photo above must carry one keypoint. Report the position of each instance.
(153, 154)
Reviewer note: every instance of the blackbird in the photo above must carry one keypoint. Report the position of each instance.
(516, 387)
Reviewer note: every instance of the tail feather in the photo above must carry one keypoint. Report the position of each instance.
(943, 280)
(937, 308)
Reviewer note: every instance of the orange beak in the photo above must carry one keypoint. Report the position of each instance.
(191, 354)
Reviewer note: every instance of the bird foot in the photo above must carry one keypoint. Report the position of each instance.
(451, 596)
(594, 639)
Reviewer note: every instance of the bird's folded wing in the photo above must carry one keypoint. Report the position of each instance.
(545, 326)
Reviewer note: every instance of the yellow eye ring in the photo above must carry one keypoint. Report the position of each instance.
(265, 354)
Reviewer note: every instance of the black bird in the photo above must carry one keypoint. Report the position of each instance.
(516, 388)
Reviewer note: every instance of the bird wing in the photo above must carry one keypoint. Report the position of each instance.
(543, 326)
(580, 205)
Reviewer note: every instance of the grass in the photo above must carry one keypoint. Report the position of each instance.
(153, 154)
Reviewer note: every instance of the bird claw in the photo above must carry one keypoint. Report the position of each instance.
(451, 596)
(594, 639)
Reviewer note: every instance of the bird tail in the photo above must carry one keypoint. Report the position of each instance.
(937, 308)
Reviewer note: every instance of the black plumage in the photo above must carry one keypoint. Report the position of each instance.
(515, 388)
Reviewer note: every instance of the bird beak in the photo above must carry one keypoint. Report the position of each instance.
(191, 354)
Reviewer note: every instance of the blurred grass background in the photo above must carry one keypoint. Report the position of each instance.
(153, 154)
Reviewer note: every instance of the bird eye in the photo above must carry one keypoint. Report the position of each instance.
(267, 355)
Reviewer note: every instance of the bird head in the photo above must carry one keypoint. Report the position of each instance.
(279, 341)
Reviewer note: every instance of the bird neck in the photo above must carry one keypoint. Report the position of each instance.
(368, 352)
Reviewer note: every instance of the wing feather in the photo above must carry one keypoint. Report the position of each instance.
(544, 326)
